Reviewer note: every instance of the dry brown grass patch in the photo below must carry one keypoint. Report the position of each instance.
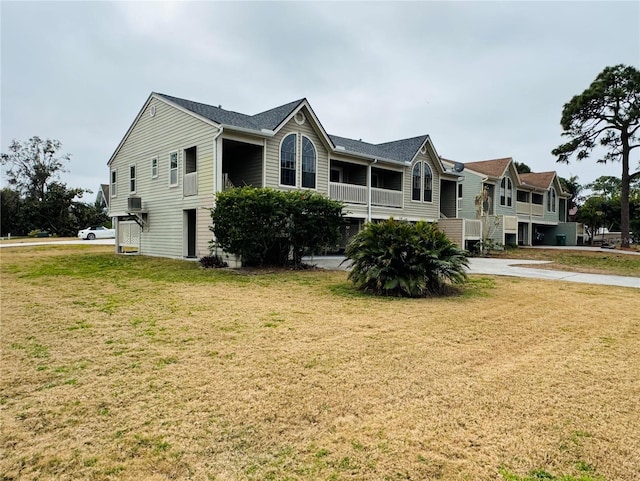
(289, 376)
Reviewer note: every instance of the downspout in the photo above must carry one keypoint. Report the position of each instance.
(369, 189)
(215, 159)
(215, 171)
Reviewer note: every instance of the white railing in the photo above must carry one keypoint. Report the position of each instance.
(386, 198)
(357, 194)
(537, 209)
(472, 229)
(523, 208)
(529, 209)
(190, 185)
(351, 193)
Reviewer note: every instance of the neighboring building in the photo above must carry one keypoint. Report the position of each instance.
(177, 154)
(102, 197)
(517, 209)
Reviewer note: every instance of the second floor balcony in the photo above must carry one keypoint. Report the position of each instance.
(527, 208)
(359, 194)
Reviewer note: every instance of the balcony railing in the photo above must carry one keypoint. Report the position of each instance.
(386, 198)
(351, 193)
(529, 209)
(357, 194)
(190, 184)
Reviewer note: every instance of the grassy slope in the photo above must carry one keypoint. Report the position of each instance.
(117, 367)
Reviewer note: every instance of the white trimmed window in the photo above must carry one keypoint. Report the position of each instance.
(154, 167)
(288, 160)
(132, 179)
(416, 181)
(421, 182)
(506, 192)
(427, 176)
(308, 164)
(173, 168)
(113, 186)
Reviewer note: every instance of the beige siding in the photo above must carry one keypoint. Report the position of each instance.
(272, 173)
(453, 229)
(169, 130)
(418, 210)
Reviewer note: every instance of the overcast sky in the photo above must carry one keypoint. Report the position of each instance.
(483, 79)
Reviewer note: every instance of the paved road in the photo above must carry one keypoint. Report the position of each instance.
(510, 267)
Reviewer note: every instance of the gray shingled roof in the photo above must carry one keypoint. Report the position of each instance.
(269, 119)
(400, 150)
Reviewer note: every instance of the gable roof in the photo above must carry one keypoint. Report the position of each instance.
(492, 168)
(399, 150)
(267, 123)
(267, 120)
(540, 180)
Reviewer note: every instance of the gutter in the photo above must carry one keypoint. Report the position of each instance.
(375, 161)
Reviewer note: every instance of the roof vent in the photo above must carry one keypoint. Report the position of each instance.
(340, 147)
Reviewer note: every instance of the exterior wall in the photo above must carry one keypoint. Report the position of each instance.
(570, 230)
(453, 228)
(505, 209)
(419, 210)
(471, 187)
(272, 171)
(169, 130)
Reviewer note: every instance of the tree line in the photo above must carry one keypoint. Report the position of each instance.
(36, 200)
(603, 118)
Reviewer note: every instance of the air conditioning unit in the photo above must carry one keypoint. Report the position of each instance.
(134, 204)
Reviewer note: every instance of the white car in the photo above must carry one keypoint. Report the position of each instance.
(100, 232)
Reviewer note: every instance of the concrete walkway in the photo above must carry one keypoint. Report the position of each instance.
(508, 267)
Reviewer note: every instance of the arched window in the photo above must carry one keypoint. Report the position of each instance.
(308, 164)
(506, 192)
(416, 181)
(428, 181)
(288, 160)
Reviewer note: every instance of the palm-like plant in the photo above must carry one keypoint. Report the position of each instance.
(396, 258)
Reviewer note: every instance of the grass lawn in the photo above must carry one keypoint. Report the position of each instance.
(593, 262)
(135, 368)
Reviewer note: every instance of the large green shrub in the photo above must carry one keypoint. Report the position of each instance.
(397, 258)
(271, 227)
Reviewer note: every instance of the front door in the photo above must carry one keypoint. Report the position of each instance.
(190, 221)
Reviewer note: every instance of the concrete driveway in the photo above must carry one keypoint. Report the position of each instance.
(508, 267)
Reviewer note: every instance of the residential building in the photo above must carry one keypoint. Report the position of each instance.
(178, 154)
(516, 209)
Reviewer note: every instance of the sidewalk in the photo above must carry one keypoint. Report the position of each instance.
(508, 267)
